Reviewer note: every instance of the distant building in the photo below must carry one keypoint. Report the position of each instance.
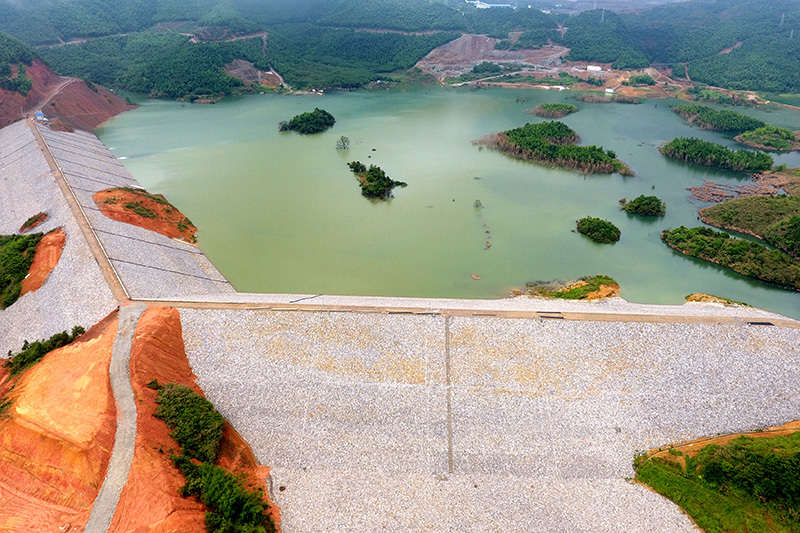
(483, 5)
(594, 68)
(39, 115)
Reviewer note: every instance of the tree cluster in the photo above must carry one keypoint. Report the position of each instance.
(598, 230)
(714, 155)
(16, 256)
(770, 138)
(373, 181)
(649, 206)
(554, 110)
(309, 122)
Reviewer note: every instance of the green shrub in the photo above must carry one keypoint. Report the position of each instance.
(141, 210)
(642, 79)
(598, 230)
(649, 206)
(33, 352)
(196, 426)
(16, 256)
(231, 507)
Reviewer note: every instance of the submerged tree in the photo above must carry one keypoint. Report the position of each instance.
(343, 143)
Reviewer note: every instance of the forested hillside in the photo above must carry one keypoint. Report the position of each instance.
(740, 44)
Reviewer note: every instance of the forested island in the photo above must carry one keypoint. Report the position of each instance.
(373, 181)
(309, 122)
(599, 230)
(692, 150)
(553, 143)
(554, 110)
(742, 256)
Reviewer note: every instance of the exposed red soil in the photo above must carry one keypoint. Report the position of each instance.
(168, 220)
(45, 259)
(150, 499)
(57, 436)
(76, 105)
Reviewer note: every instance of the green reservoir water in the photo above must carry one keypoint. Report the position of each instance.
(281, 212)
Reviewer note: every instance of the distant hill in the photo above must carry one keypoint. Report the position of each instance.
(144, 45)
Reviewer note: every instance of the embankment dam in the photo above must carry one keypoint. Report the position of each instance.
(411, 414)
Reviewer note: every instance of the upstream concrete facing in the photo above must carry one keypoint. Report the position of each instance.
(375, 422)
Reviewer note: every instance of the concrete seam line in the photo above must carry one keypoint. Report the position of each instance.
(105, 505)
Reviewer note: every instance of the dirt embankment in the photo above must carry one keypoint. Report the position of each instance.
(57, 435)
(75, 105)
(148, 211)
(48, 252)
(150, 499)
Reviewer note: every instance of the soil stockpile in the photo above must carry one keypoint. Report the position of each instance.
(57, 435)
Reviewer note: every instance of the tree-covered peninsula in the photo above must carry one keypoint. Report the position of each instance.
(770, 138)
(553, 143)
(745, 257)
(710, 154)
(309, 122)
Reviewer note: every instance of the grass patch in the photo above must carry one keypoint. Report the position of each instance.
(5, 405)
(141, 192)
(745, 257)
(33, 352)
(196, 426)
(775, 219)
(16, 256)
(748, 485)
(598, 230)
(141, 210)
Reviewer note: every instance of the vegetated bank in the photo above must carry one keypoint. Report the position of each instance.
(709, 118)
(692, 150)
(598, 230)
(553, 110)
(584, 288)
(553, 143)
(774, 219)
(309, 122)
(742, 256)
(373, 181)
(748, 483)
(648, 206)
(594, 98)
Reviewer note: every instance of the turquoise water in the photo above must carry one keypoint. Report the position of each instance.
(281, 212)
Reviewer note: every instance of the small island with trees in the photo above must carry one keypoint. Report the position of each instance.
(553, 143)
(309, 122)
(708, 118)
(598, 230)
(648, 206)
(554, 110)
(710, 154)
(373, 181)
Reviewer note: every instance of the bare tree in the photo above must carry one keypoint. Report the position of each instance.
(343, 143)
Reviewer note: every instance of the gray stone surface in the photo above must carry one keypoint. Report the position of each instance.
(149, 264)
(362, 415)
(75, 293)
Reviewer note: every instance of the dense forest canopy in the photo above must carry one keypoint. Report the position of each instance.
(739, 44)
